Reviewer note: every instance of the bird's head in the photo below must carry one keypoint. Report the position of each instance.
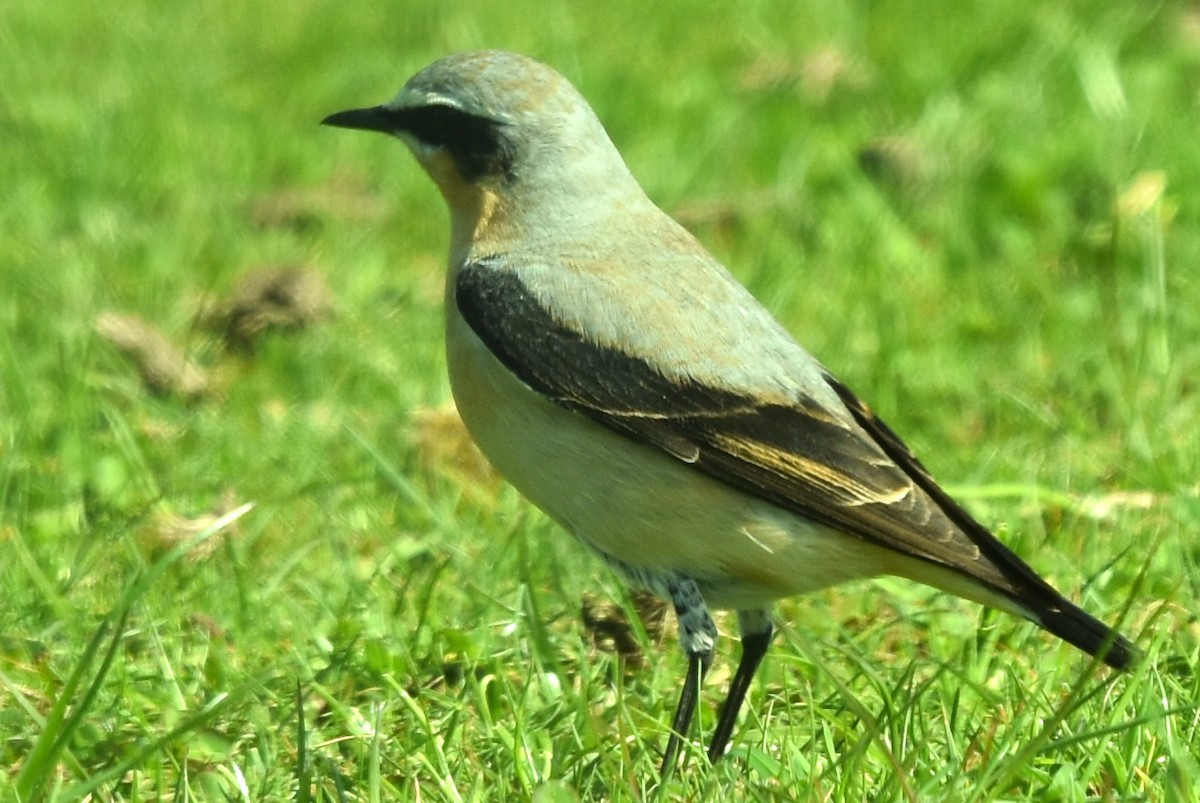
(496, 129)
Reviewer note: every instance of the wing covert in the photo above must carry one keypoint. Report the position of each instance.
(851, 474)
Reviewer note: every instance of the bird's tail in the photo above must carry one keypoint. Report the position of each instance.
(1029, 596)
(1076, 626)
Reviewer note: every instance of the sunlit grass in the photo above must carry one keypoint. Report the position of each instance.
(983, 219)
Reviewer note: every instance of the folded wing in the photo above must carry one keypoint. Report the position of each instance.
(849, 472)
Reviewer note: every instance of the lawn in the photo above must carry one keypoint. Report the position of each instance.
(246, 553)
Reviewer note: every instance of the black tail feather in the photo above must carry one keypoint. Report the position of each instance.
(1025, 588)
(1077, 627)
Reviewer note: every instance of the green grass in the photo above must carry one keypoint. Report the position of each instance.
(381, 626)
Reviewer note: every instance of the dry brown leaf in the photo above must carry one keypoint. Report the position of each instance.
(270, 297)
(1105, 506)
(818, 73)
(724, 214)
(163, 368)
(167, 530)
(611, 631)
(344, 197)
(444, 446)
(653, 612)
(898, 160)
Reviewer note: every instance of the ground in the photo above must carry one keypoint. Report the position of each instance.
(251, 557)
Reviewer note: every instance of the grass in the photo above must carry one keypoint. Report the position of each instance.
(982, 218)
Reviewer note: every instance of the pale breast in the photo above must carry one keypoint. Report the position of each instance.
(639, 505)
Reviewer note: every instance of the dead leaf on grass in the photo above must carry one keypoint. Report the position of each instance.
(163, 367)
(167, 530)
(611, 631)
(1105, 506)
(900, 161)
(818, 74)
(444, 446)
(724, 214)
(344, 197)
(271, 297)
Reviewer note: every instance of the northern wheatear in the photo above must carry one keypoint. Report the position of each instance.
(630, 387)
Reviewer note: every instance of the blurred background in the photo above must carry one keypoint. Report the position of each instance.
(983, 217)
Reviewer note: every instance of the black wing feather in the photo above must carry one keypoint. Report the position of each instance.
(862, 480)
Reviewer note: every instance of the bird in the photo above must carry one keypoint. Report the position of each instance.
(622, 379)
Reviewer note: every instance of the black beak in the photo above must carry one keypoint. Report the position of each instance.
(376, 118)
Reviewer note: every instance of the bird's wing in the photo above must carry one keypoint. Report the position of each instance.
(852, 474)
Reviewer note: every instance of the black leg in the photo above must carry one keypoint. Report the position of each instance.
(698, 633)
(756, 638)
(697, 667)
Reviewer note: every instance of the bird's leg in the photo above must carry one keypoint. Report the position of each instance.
(756, 629)
(697, 667)
(698, 633)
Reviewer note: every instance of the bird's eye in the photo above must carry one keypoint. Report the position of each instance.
(438, 126)
(477, 144)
